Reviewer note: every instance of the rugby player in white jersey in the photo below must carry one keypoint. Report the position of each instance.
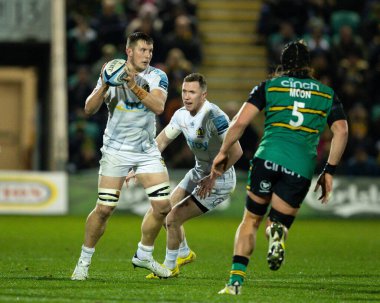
(204, 125)
(128, 143)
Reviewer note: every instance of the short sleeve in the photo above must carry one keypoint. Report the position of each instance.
(257, 96)
(219, 123)
(160, 80)
(337, 111)
(174, 127)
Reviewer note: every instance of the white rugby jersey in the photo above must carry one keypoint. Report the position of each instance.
(131, 126)
(203, 132)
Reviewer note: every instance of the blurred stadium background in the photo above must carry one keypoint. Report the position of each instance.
(52, 52)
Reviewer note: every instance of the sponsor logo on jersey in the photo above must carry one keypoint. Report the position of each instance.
(298, 84)
(136, 106)
(197, 145)
(200, 132)
(221, 124)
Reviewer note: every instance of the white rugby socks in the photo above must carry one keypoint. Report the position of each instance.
(171, 258)
(86, 254)
(144, 252)
(184, 249)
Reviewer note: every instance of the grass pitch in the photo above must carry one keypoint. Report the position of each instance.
(326, 261)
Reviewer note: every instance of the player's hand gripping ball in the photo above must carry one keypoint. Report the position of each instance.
(113, 72)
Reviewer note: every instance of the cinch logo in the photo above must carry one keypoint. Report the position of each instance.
(25, 193)
(275, 167)
(197, 145)
(299, 84)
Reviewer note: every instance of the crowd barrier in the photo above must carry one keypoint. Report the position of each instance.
(44, 193)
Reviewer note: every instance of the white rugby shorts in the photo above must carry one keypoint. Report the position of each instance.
(224, 186)
(119, 164)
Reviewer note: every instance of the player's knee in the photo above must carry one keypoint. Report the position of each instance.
(175, 218)
(252, 219)
(104, 211)
(279, 217)
(160, 208)
(108, 197)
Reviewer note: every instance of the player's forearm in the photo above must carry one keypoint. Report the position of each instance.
(235, 154)
(239, 123)
(233, 134)
(338, 142)
(95, 100)
(162, 141)
(160, 146)
(155, 105)
(152, 101)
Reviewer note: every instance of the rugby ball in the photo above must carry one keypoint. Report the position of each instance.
(113, 72)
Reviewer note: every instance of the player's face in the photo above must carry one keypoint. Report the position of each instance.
(193, 97)
(140, 55)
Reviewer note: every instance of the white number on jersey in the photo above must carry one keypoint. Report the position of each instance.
(299, 116)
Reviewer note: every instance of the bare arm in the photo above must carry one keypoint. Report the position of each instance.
(95, 100)
(338, 144)
(207, 184)
(154, 100)
(163, 141)
(244, 117)
(234, 154)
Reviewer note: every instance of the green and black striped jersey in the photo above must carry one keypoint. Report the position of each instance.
(296, 113)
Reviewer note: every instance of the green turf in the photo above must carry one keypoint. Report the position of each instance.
(327, 261)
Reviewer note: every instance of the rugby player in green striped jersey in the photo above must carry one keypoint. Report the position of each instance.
(297, 108)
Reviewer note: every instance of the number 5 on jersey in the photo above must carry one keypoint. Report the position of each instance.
(299, 116)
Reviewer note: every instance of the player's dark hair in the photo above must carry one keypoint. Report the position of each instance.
(136, 36)
(197, 77)
(295, 60)
(295, 55)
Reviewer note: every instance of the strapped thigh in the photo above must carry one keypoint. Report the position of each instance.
(256, 208)
(159, 191)
(279, 217)
(108, 196)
